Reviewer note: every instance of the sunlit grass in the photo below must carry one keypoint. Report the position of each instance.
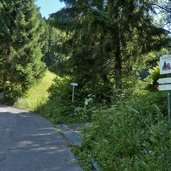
(37, 94)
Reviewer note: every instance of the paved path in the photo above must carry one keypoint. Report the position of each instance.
(28, 142)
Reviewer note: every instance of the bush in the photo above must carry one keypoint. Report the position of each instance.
(11, 93)
(132, 135)
(60, 109)
(152, 78)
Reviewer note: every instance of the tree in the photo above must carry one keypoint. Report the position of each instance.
(53, 57)
(105, 37)
(21, 36)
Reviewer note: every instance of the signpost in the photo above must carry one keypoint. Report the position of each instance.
(165, 83)
(164, 80)
(165, 64)
(164, 87)
(73, 90)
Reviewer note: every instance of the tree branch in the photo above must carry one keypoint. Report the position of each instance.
(161, 7)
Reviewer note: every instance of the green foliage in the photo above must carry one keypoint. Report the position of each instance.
(59, 105)
(60, 109)
(83, 157)
(37, 94)
(133, 135)
(54, 58)
(153, 77)
(21, 36)
(12, 92)
(103, 40)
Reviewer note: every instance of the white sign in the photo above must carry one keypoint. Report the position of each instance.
(164, 80)
(74, 84)
(164, 87)
(165, 64)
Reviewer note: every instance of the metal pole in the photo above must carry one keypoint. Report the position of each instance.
(169, 114)
(73, 94)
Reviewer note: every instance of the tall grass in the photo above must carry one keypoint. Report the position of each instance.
(37, 95)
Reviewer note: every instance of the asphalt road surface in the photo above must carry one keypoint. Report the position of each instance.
(28, 142)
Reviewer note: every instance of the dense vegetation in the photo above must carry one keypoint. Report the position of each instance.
(104, 40)
(107, 47)
(22, 39)
(111, 48)
(133, 135)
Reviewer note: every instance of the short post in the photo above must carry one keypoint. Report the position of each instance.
(73, 90)
(169, 114)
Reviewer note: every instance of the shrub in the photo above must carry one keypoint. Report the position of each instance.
(11, 93)
(132, 135)
(152, 78)
(60, 108)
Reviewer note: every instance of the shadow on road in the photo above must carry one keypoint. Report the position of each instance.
(28, 142)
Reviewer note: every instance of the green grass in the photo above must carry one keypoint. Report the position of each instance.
(37, 95)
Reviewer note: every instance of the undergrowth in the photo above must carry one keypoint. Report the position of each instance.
(131, 136)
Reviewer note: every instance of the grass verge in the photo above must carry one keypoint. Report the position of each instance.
(37, 95)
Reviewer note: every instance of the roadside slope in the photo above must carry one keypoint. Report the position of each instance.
(36, 95)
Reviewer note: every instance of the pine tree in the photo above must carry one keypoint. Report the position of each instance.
(21, 34)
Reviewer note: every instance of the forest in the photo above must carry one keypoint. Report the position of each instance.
(111, 49)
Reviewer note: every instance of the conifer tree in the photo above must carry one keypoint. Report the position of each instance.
(21, 36)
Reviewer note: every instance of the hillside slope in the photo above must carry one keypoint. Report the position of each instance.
(37, 94)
